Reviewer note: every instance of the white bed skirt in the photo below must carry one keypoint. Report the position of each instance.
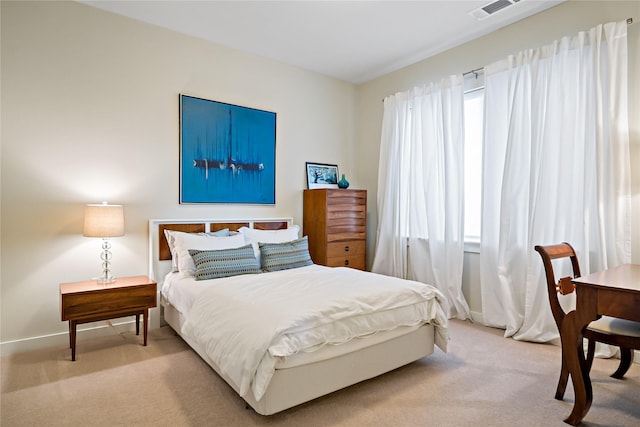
(291, 386)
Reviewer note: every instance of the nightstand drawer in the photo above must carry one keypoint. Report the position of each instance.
(110, 302)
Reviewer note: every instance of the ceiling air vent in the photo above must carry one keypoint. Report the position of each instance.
(491, 8)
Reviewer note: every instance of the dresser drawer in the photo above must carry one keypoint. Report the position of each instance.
(340, 237)
(356, 227)
(352, 261)
(346, 248)
(346, 210)
(347, 253)
(341, 197)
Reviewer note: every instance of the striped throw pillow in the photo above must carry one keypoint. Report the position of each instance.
(214, 264)
(283, 256)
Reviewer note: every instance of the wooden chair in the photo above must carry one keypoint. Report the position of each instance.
(608, 330)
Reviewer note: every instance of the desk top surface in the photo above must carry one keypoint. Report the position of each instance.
(626, 276)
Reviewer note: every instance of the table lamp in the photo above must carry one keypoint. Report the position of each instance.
(104, 221)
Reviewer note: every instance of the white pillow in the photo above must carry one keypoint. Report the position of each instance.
(254, 236)
(169, 234)
(185, 241)
(172, 248)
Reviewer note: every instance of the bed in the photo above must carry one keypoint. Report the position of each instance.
(276, 366)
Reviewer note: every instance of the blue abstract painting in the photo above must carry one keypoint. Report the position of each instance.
(227, 153)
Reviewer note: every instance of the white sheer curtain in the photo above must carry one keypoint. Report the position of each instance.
(556, 168)
(420, 189)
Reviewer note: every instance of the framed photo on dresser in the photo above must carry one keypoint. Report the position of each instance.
(321, 175)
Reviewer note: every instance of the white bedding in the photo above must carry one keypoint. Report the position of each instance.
(247, 323)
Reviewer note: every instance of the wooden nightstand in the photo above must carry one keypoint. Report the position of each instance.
(89, 301)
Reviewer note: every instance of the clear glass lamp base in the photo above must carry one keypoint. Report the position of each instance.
(105, 280)
(105, 256)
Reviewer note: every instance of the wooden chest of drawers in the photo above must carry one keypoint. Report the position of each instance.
(336, 222)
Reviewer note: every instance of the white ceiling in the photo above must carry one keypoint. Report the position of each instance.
(351, 40)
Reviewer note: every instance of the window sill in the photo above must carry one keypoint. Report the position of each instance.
(472, 245)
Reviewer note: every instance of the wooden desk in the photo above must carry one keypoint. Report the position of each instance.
(614, 292)
(89, 301)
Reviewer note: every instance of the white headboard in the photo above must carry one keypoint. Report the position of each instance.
(160, 257)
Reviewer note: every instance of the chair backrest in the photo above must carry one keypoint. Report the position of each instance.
(564, 285)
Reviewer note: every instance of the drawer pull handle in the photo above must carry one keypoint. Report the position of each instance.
(346, 248)
(346, 262)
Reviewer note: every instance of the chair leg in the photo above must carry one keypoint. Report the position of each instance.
(591, 350)
(562, 382)
(626, 358)
(564, 373)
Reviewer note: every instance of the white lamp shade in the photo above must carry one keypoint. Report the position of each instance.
(103, 221)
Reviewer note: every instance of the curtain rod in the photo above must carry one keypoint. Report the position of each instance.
(475, 72)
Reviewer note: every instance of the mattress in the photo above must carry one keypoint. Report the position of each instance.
(383, 310)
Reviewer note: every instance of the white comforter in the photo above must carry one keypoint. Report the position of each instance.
(244, 323)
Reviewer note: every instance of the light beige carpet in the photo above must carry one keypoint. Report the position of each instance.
(483, 380)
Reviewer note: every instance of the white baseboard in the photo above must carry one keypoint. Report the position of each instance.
(476, 317)
(84, 331)
(62, 338)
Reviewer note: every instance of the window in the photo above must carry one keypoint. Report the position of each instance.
(473, 130)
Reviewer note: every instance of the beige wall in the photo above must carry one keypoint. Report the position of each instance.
(90, 113)
(89, 109)
(563, 20)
